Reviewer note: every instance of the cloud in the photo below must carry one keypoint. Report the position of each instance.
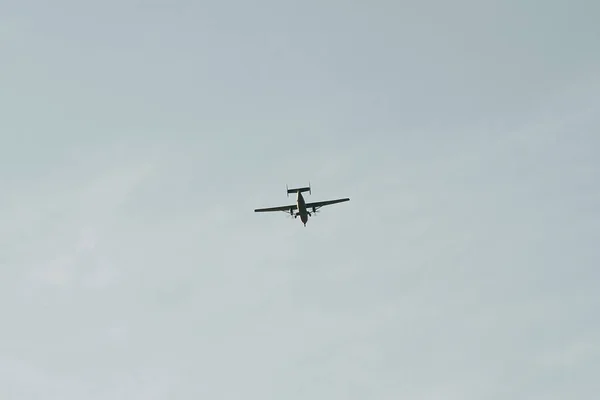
(68, 225)
(14, 30)
(572, 354)
(20, 379)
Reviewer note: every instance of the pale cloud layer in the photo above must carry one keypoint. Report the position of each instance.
(137, 138)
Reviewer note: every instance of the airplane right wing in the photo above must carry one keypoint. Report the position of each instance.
(316, 205)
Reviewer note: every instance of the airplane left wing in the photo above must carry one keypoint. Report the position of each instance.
(289, 208)
(318, 204)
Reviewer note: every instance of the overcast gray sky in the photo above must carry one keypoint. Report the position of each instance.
(137, 137)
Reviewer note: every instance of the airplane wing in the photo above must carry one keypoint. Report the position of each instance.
(289, 208)
(318, 204)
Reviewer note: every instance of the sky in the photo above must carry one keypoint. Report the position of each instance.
(137, 138)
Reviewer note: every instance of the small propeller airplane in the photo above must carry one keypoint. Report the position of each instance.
(301, 205)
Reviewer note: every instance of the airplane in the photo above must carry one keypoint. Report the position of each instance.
(301, 205)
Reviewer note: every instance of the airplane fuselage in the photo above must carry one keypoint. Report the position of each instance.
(302, 212)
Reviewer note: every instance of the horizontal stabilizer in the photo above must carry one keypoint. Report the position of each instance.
(300, 189)
(296, 190)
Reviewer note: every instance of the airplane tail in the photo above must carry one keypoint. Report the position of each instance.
(300, 189)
